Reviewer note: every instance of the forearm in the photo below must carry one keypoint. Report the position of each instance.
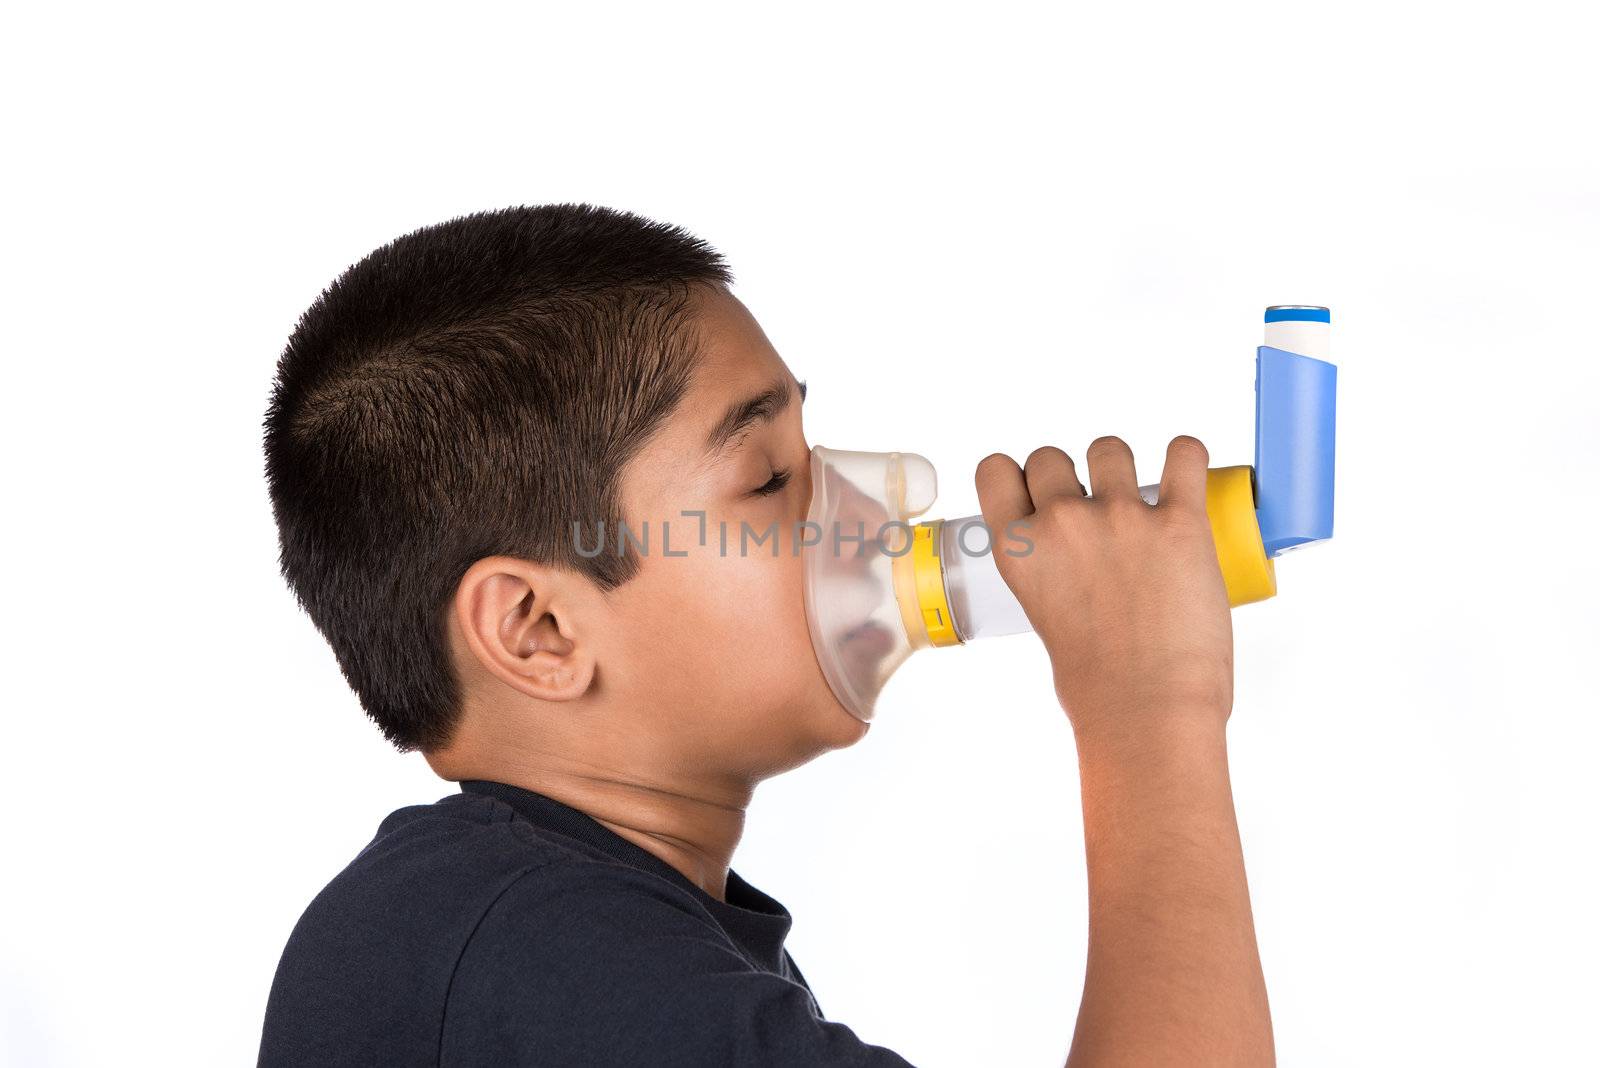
(1173, 972)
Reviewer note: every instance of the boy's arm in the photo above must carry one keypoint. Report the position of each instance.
(1173, 974)
(1129, 601)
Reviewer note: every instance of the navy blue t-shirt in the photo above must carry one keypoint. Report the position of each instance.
(501, 927)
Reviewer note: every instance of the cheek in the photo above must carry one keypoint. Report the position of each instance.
(733, 624)
(754, 605)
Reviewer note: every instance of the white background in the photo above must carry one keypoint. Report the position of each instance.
(969, 229)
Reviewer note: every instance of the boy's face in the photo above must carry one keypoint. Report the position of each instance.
(711, 646)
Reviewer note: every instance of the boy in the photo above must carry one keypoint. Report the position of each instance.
(447, 417)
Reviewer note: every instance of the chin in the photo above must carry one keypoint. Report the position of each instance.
(841, 728)
(828, 727)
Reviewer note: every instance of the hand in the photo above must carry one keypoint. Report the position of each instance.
(1127, 596)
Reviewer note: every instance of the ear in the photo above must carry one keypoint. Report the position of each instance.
(521, 621)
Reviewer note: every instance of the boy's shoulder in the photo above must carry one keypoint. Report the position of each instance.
(434, 870)
(371, 962)
(468, 834)
(457, 853)
(502, 927)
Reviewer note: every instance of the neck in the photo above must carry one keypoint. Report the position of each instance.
(693, 826)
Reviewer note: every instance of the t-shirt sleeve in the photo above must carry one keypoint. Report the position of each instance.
(579, 964)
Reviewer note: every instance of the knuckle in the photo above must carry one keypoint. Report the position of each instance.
(1058, 511)
(1190, 443)
(1106, 441)
(1125, 506)
(1180, 518)
(1059, 507)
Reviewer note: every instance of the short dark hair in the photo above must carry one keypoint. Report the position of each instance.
(470, 389)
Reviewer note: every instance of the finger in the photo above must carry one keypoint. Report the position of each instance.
(1050, 473)
(1111, 468)
(1183, 479)
(1002, 491)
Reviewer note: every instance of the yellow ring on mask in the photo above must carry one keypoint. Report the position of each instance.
(932, 605)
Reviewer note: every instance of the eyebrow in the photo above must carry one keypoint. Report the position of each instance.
(761, 408)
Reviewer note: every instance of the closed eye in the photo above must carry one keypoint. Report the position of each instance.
(772, 485)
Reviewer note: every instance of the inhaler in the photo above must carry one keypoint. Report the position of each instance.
(879, 586)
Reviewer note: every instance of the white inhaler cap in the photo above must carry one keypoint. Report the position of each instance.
(857, 565)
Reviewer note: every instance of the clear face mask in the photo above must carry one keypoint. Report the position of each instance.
(880, 585)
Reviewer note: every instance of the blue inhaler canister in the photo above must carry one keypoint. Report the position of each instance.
(1296, 388)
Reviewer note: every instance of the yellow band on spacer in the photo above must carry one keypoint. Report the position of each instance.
(1247, 571)
(932, 604)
